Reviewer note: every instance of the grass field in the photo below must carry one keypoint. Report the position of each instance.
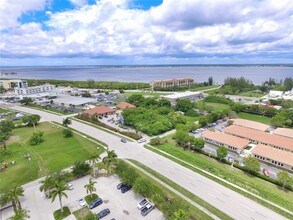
(204, 88)
(258, 186)
(150, 94)
(54, 154)
(217, 106)
(253, 94)
(254, 117)
(2, 110)
(183, 191)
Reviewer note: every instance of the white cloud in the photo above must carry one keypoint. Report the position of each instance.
(174, 29)
(11, 10)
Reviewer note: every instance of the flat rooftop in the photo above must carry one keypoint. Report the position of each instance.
(74, 100)
(251, 124)
(178, 95)
(226, 139)
(274, 154)
(260, 136)
(287, 132)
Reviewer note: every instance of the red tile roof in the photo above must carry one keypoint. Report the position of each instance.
(287, 132)
(274, 154)
(250, 124)
(260, 136)
(226, 139)
(99, 110)
(124, 105)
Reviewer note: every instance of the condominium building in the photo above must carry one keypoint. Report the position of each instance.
(169, 83)
(47, 88)
(13, 83)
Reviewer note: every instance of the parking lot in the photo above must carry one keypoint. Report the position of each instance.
(118, 203)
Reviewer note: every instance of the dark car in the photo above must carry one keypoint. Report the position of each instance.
(120, 185)
(125, 188)
(103, 213)
(95, 203)
(147, 209)
(123, 140)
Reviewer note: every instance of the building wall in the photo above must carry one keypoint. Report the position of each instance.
(232, 148)
(34, 90)
(172, 83)
(13, 83)
(273, 162)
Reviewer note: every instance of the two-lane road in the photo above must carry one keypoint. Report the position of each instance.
(226, 200)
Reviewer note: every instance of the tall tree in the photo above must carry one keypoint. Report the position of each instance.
(13, 196)
(210, 81)
(47, 185)
(222, 152)
(90, 187)
(6, 126)
(20, 215)
(94, 158)
(59, 190)
(31, 120)
(284, 179)
(91, 83)
(251, 164)
(110, 159)
(180, 215)
(66, 122)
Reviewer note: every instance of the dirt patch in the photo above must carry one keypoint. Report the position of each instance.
(13, 139)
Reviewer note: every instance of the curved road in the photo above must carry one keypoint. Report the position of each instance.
(230, 202)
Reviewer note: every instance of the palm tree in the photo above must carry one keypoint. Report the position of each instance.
(20, 215)
(66, 122)
(93, 158)
(47, 185)
(90, 188)
(13, 196)
(58, 190)
(110, 159)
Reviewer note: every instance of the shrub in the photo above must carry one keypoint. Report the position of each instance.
(156, 141)
(80, 169)
(142, 186)
(67, 133)
(191, 113)
(37, 138)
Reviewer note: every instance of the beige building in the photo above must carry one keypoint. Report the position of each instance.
(286, 132)
(273, 156)
(251, 124)
(47, 88)
(169, 83)
(13, 83)
(260, 137)
(229, 141)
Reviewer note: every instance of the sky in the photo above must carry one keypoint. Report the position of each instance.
(145, 32)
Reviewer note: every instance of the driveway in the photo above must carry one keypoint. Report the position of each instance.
(42, 208)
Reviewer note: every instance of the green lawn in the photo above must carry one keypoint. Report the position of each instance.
(253, 94)
(204, 88)
(183, 191)
(254, 117)
(54, 154)
(58, 215)
(216, 106)
(258, 186)
(83, 213)
(150, 94)
(2, 110)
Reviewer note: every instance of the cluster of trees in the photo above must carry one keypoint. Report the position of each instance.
(236, 85)
(284, 118)
(273, 84)
(184, 140)
(217, 99)
(172, 208)
(6, 126)
(13, 196)
(90, 83)
(285, 103)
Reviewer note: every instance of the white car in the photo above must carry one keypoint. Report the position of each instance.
(70, 185)
(141, 140)
(142, 204)
(81, 202)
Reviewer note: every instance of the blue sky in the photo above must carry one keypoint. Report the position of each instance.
(116, 32)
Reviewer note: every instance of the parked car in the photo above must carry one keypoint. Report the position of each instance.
(142, 204)
(120, 185)
(125, 188)
(70, 185)
(123, 140)
(147, 209)
(103, 213)
(81, 202)
(266, 172)
(142, 140)
(95, 203)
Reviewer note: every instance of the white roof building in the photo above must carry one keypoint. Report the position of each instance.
(72, 100)
(183, 95)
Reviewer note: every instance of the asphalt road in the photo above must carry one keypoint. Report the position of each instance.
(226, 200)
